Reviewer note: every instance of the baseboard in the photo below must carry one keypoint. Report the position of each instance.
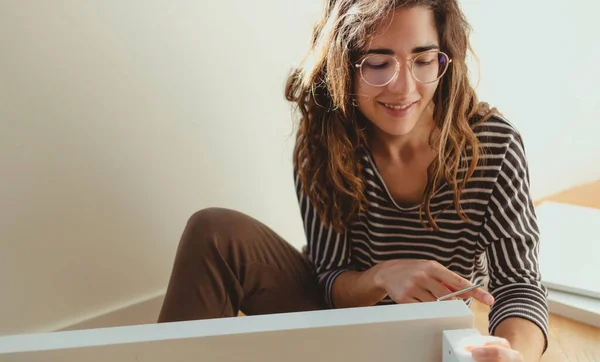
(141, 311)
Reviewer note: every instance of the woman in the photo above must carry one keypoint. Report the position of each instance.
(409, 188)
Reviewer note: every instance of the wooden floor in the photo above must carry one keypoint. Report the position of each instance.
(569, 340)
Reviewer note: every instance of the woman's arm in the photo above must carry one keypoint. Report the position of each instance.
(523, 336)
(328, 250)
(520, 312)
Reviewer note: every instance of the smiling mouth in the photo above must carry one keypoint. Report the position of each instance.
(398, 107)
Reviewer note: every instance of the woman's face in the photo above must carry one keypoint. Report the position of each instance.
(402, 104)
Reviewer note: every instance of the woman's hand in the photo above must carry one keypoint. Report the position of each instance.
(495, 351)
(412, 281)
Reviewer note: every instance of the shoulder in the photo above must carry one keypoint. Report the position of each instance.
(502, 154)
(497, 135)
(496, 127)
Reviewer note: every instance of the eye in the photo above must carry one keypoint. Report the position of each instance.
(373, 65)
(424, 61)
(427, 59)
(378, 62)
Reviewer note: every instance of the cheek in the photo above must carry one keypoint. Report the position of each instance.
(427, 91)
(364, 94)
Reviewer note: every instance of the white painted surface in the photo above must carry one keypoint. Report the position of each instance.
(538, 68)
(142, 311)
(574, 306)
(570, 248)
(411, 332)
(455, 344)
(121, 118)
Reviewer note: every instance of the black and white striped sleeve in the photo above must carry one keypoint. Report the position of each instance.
(512, 235)
(328, 250)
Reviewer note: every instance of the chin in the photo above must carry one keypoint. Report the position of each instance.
(395, 127)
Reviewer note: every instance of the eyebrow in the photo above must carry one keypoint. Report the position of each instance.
(387, 51)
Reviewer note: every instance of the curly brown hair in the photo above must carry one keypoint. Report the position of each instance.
(331, 132)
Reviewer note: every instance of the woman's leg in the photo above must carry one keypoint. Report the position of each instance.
(227, 261)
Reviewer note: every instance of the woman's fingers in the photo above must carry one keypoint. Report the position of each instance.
(456, 282)
(496, 350)
(409, 281)
(499, 342)
(414, 293)
(438, 289)
(496, 354)
(427, 291)
(424, 294)
(496, 342)
(407, 299)
(479, 294)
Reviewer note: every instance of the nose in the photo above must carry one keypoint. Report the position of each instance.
(403, 83)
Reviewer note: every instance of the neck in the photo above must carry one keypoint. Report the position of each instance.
(399, 148)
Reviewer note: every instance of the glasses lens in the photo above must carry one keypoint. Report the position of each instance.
(429, 67)
(378, 69)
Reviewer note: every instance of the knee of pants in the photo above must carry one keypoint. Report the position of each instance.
(211, 226)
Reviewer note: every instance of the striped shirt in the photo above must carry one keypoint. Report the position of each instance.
(499, 246)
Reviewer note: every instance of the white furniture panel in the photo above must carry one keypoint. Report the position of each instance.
(570, 248)
(409, 332)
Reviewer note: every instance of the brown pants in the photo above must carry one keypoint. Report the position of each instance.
(228, 262)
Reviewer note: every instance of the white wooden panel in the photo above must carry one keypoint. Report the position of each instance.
(410, 332)
(570, 248)
(452, 345)
(580, 308)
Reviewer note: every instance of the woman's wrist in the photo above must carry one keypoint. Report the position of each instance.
(357, 289)
(371, 285)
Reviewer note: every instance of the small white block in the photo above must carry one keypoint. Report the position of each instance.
(456, 344)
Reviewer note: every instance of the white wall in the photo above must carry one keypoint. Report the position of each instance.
(540, 67)
(121, 118)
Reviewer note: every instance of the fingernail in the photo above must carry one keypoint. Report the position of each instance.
(478, 352)
(488, 299)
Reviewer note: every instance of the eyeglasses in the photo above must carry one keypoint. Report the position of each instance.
(379, 70)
